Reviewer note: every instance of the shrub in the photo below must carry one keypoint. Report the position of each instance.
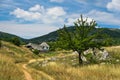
(36, 51)
(16, 41)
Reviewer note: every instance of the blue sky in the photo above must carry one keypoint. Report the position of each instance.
(33, 18)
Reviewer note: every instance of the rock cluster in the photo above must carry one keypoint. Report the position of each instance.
(96, 54)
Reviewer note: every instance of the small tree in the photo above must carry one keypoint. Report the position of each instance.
(83, 37)
(16, 41)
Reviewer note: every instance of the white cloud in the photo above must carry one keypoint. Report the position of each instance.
(26, 15)
(104, 17)
(56, 11)
(37, 8)
(53, 15)
(26, 30)
(114, 5)
(70, 21)
(74, 17)
(59, 1)
(44, 21)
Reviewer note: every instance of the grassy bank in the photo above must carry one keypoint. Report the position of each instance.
(8, 70)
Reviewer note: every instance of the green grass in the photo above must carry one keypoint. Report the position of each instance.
(54, 53)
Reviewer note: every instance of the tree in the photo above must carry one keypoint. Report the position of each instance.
(83, 37)
(16, 41)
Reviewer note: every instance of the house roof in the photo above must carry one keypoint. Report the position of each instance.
(35, 46)
(44, 44)
(38, 47)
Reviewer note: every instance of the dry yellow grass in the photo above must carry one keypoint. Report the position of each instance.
(90, 72)
(113, 49)
(9, 56)
(8, 70)
(11, 60)
(114, 53)
(55, 70)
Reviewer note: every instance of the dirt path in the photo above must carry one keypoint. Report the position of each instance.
(40, 72)
(26, 73)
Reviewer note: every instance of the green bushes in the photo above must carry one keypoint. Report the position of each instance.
(36, 51)
(16, 41)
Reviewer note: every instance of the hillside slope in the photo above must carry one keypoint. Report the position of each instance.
(7, 36)
(10, 56)
(113, 33)
(14, 63)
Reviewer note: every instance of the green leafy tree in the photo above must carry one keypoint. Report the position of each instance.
(83, 37)
(16, 41)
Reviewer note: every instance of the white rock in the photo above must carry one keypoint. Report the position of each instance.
(53, 59)
(117, 60)
(83, 58)
(104, 55)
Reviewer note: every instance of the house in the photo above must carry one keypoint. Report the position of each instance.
(44, 46)
(41, 47)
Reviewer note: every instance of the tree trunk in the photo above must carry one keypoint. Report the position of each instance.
(80, 59)
(94, 53)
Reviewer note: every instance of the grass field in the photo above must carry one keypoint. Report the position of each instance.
(91, 72)
(12, 59)
(10, 55)
(8, 70)
(102, 71)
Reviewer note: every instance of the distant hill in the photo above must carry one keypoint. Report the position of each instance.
(113, 33)
(48, 37)
(7, 37)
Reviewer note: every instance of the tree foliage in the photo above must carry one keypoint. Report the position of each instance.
(16, 41)
(83, 37)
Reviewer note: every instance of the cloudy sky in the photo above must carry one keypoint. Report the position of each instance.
(32, 18)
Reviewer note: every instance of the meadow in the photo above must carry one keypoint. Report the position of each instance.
(8, 70)
(107, 70)
(59, 65)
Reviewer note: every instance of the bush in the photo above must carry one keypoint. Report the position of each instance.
(16, 41)
(36, 51)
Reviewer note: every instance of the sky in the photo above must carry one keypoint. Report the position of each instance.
(33, 18)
